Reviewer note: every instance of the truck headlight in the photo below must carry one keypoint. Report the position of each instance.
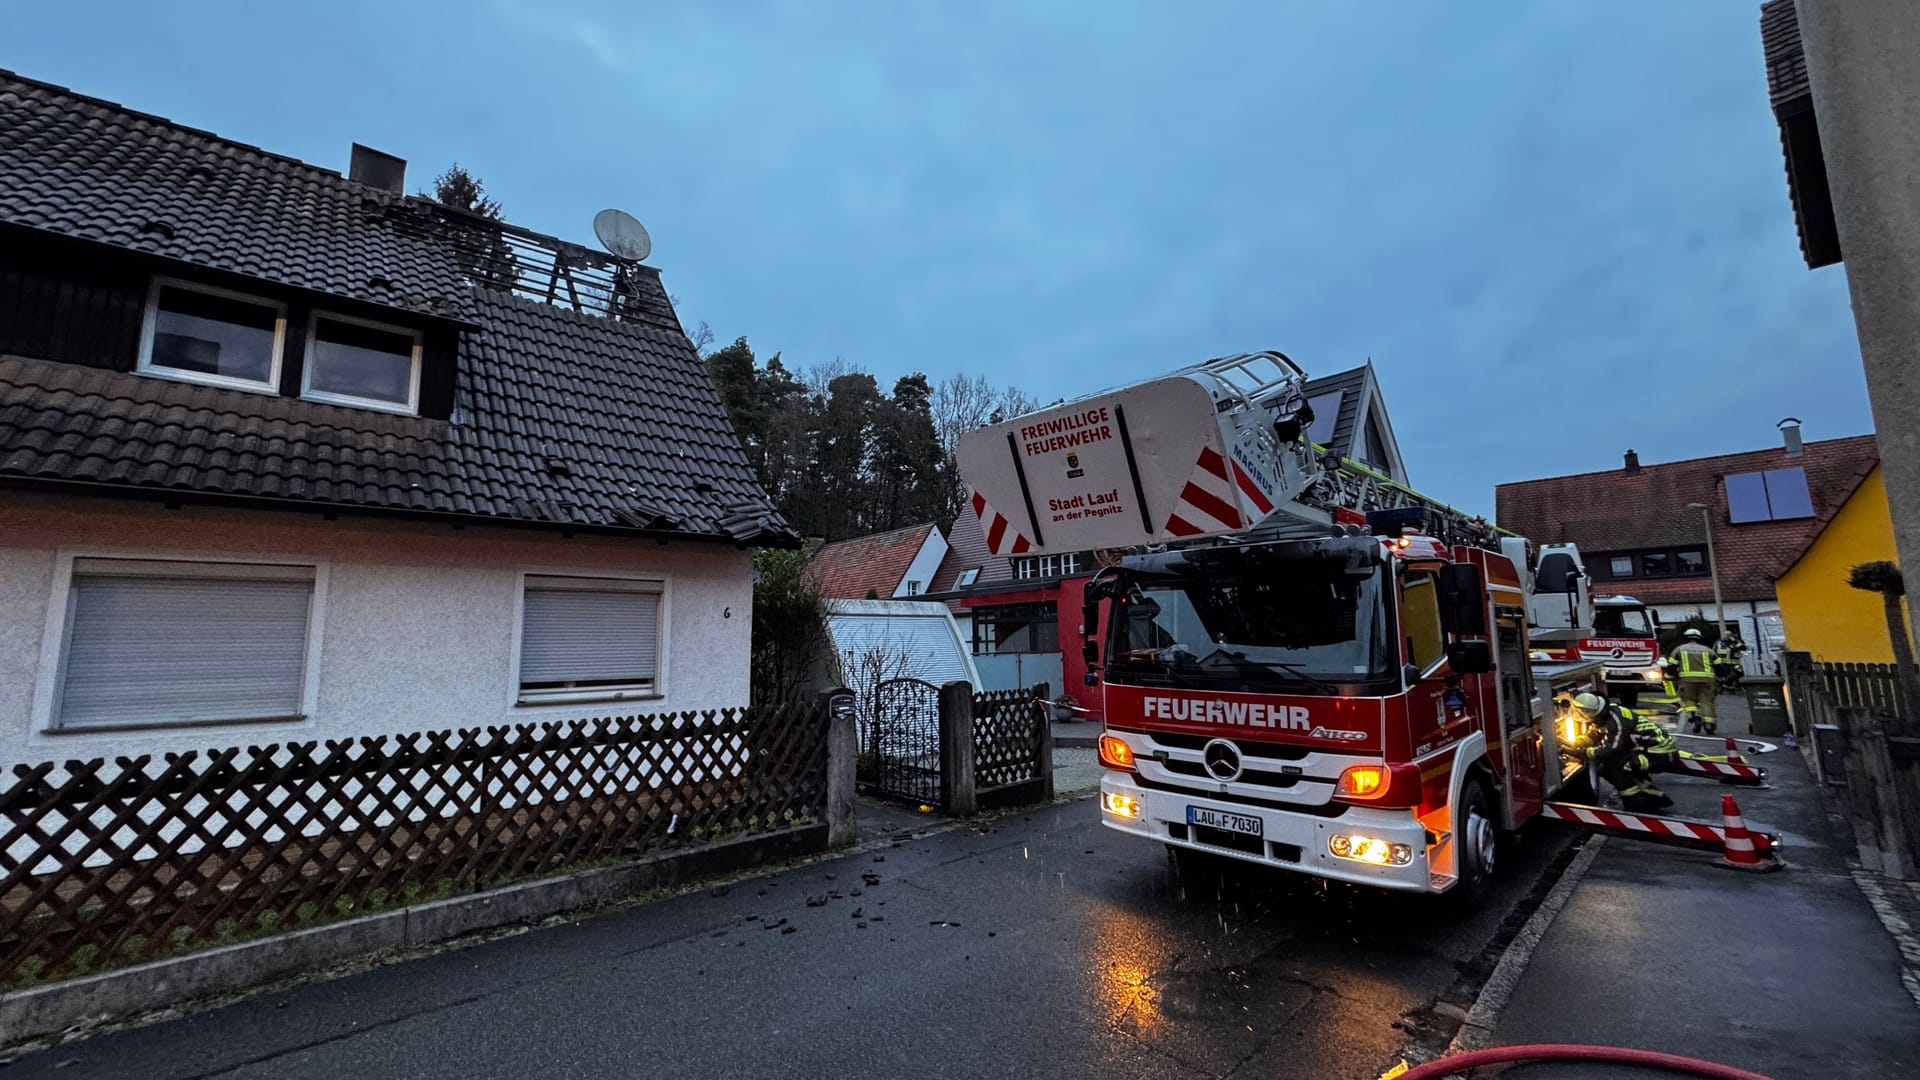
(1369, 849)
(1652, 674)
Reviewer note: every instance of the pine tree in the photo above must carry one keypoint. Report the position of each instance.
(482, 250)
(461, 190)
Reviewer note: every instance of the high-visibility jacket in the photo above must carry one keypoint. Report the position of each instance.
(1650, 733)
(1694, 660)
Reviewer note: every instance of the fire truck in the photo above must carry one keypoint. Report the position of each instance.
(1569, 623)
(1302, 663)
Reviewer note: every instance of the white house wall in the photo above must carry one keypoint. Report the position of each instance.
(924, 565)
(416, 621)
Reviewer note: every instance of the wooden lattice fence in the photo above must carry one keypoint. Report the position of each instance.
(1012, 751)
(106, 863)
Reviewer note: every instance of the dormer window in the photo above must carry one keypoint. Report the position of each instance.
(365, 364)
(207, 335)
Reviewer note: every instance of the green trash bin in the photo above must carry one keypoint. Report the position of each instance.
(1766, 704)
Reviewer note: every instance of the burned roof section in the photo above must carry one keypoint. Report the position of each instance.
(576, 400)
(93, 170)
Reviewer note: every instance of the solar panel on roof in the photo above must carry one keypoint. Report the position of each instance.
(1747, 498)
(1787, 494)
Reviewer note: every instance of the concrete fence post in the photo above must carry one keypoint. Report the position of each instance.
(843, 752)
(1043, 709)
(958, 789)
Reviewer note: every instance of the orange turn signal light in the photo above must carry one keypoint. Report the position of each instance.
(1380, 785)
(1115, 753)
(1363, 781)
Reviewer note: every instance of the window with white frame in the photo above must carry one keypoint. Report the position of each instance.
(208, 335)
(365, 364)
(151, 643)
(913, 587)
(967, 577)
(1047, 566)
(584, 639)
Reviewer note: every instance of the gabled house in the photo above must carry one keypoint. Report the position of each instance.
(1350, 420)
(1821, 613)
(1643, 529)
(287, 455)
(896, 564)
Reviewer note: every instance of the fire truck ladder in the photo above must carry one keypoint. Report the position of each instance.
(1268, 380)
(1270, 383)
(1350, 485)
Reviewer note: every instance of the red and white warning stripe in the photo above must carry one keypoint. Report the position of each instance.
(1732, 772)
(1003, 538)
(1251, 490)
(1646, 825)
(1208, 503)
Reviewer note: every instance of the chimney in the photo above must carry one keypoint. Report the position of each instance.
(1790, 431)
(1633, 463)
(375, 169)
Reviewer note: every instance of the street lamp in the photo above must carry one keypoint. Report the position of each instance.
(1713, 570)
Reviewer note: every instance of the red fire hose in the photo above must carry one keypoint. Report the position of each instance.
(1612, 1055)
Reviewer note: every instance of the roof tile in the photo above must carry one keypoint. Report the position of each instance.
(560, 417)
(850, 569)
(1620, 511)
(96, 171)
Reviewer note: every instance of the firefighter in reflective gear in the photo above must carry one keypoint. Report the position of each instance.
(1619, 757)
(1668, 699)
(1728, 650)
(1655, 741)
(1726, 661)
(1693, 664)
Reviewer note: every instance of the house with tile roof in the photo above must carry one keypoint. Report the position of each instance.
(1350, 420)
(1642, 532)
(287, 454)
(1821, 613)
(891, 565)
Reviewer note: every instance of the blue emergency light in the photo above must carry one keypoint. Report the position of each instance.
(1400, 517)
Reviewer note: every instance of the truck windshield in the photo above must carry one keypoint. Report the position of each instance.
(1299, 626)
(1622, 622)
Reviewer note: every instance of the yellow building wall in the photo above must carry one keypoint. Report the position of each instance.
(1821, 613)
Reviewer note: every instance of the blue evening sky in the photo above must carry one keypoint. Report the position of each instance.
(1560, 230)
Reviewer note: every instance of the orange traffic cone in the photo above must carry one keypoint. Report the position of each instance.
(1744, 848)
(1733, 752)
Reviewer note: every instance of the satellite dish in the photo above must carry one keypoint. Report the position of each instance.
(622, 234)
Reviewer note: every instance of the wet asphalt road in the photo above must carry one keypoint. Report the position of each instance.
(1036, 945)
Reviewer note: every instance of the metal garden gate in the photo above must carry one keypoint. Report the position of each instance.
(900, 742)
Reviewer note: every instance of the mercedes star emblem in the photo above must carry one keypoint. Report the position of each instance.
(1222, 760)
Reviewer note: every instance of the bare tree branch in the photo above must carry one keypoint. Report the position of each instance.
(819, 376)
(960, 404)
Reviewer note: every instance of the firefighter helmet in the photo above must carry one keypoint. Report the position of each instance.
(1692, 634)
(1589, 705)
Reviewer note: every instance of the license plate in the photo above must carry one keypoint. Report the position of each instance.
(1220, 819)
